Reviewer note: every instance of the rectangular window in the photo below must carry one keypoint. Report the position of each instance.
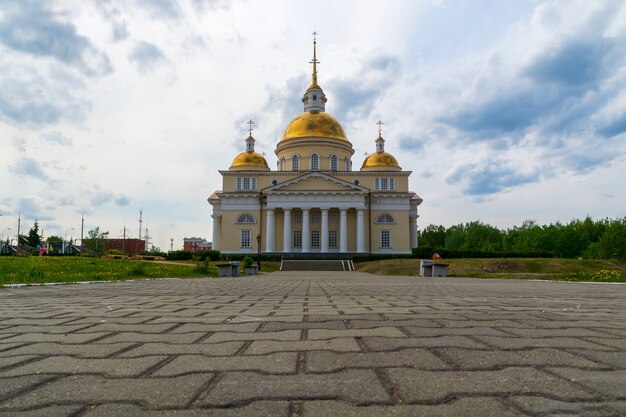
(377, 184)
(297, 217)
(246, 183)
(245, 239)
(297, 238)
(383, 184)
(332, 217)
(385, 239)
(315, 238)
(239, 183)
(316, 217)
(392, 184)
(253, 183)
(332, 239)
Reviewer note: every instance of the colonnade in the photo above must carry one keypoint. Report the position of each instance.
(270, 238)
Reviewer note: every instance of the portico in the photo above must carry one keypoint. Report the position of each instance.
(315, 212)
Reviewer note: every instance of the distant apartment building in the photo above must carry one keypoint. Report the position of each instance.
(196, 244)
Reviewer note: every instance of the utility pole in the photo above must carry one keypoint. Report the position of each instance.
(141, 221)
(19, 222)
(82, 226)
(171, 244)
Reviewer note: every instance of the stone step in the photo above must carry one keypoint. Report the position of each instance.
(316, 265)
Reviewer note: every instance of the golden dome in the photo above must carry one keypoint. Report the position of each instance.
(251, 161)
(316, 124)
(380, 161)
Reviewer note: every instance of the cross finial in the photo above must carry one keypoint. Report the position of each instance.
(250, 123)
(380, 126)
(314, 61)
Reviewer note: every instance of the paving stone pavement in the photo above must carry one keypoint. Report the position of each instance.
(314, 344)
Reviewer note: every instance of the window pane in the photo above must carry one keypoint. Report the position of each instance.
(297, 238)
(333, 163)
(297, 217)
(332, 217)
(239, 183)
(383, 183)
(392, 184)
(315, 238)
(253, 184)
(385, 238)
(316, 217)
(295, 163)
(332, 239)
(246, 183)
(245, 238)
(377, 184)
(315, 162)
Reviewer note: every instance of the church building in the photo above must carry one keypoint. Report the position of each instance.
(314, 203)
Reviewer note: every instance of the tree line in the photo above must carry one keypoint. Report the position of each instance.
(596, 239)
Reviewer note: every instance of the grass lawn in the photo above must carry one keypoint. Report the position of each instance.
(524, 268)
(35, 269)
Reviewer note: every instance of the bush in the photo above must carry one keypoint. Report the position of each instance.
(426, 252)
(179, 255)
(203, 267)
(247, 262)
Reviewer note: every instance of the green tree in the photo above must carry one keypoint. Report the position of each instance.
(482, 237)
(33, 239)
(612, 243)
(54, 238)
(433, 236)
(95, 239)
(455, 237)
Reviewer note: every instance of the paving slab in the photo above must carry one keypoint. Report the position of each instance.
(311, 344)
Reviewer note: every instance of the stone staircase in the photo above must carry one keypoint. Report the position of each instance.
(316, 265)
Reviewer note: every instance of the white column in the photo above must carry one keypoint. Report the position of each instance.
(413, 234)
(269, 231)
(324, 237)
(343, 230)
(360, 230)
(305, 230)
(217, 226)
(287, 230)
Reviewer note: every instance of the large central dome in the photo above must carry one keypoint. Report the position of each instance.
(314, 124)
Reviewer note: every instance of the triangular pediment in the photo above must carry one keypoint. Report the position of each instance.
(315, 182)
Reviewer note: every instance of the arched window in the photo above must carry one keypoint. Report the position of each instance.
(295, 163)
(282, 164)
(315, 162)
(246, 218)
(347, 164)
(333, 162)
(385, 218)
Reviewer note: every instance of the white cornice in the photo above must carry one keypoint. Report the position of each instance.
(329, 173)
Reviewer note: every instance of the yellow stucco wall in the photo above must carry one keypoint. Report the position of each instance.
(400, 233)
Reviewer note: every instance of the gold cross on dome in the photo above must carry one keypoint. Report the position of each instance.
(250, 123)
(380, 126)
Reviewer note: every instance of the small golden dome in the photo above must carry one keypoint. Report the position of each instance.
(316, 124)
(249, 161)
(380, 161)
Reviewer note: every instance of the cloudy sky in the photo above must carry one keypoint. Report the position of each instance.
(504, 111)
